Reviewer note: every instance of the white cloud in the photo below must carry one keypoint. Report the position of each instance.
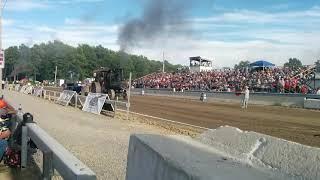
(30, 34)
(45, 29)
(177, 49)
(225, 38)
(229, 53)
(26, 5)
(88, 25)
(77, 1)
(8, 22)
(73, 21)
(247, 16)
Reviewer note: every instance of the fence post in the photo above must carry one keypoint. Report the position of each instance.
(54, 95)
(115, 104)
(49, 95)
(129, 92)
(24, 147)
(47, 165)
(76, 100)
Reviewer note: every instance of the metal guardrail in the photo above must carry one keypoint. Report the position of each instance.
(278, 99)
(55, 156)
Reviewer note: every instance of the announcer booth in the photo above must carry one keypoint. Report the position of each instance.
(198, 64)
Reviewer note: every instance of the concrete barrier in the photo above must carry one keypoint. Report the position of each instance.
(279, 99)
(156, 157)
(263, 151)
(312, 103)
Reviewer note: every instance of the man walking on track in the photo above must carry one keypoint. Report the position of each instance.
(245, 99)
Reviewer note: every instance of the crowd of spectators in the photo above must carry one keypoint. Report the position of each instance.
(281, 80)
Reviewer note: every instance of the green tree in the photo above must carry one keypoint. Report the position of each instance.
(12, 56)
(242, 64)
(41, 59)
(293, 63)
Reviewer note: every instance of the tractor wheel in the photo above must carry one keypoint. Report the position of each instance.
(112, 94)
(96, 87)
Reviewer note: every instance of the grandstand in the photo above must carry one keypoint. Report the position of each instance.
(199, 64)
(308, 76)
(276, 80)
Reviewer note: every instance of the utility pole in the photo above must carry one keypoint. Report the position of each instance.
(1, 11)
(163, 62)
(55, 76)
(14, 75)
(35, 76)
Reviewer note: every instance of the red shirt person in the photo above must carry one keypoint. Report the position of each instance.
(287, 85)
(304, 89)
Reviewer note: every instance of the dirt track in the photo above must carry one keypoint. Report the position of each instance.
(299, 125)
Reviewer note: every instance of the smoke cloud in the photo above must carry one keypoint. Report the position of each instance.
(159, 18)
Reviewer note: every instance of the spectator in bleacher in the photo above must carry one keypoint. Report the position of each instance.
(304, 89)
(269, 80)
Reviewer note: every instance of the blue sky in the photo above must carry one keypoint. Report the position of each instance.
(226, 31)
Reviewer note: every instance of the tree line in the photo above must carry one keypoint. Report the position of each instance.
(40, 60)
(292, 63)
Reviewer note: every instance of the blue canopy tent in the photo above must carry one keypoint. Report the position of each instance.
(261, 63)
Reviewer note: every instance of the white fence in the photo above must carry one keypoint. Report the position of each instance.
(77, 100)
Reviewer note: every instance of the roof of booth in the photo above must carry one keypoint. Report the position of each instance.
(198, 58)
(262, 63)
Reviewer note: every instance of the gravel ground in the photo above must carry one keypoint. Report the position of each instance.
(98, 141)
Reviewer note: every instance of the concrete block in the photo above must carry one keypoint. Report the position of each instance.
(156, 157)
(312, 103)
(264, 151)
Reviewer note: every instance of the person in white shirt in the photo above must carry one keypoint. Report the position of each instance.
(245, 99)
(318, 92)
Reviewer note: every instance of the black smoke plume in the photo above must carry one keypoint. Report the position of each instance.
(160, 17)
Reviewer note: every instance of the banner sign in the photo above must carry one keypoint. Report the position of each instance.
(28, 90)
(10, 87)
(38, 91)
(65, 97)
(17, 87)
(94, 102)
(23, 88)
